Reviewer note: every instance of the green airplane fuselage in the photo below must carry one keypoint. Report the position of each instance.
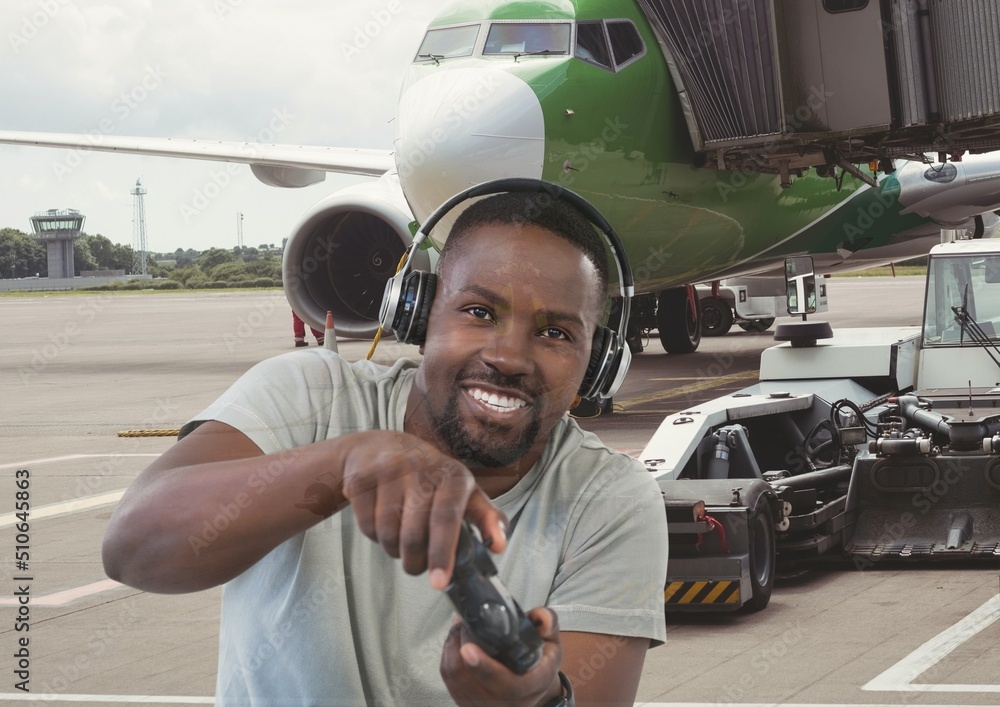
(620, 140)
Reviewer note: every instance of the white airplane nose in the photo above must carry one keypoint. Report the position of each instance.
(953, 192)
(458, 127)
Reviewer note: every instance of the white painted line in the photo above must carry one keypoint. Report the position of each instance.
(65, 507)
(49, 460)
(900, 677)
(178, 700)
(138, 699)
(67, 595)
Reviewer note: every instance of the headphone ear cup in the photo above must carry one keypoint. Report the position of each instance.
(422, 311)
(593, 379)
(414, 307)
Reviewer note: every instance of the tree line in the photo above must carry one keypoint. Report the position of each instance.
(22, 256)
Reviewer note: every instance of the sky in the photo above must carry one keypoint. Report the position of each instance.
(308, 72)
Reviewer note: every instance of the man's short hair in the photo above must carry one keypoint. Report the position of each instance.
(537, 209)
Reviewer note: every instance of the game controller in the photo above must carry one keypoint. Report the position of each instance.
(494, 619)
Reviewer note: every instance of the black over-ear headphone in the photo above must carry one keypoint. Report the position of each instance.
(409, 294)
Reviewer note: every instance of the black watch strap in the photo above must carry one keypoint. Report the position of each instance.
(566, 699)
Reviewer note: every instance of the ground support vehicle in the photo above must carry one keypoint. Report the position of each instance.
(752, 303)
(870, 444)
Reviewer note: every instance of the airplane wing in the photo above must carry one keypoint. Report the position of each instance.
(275, 165)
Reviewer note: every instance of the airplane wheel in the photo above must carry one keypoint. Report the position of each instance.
(762, 554)
(757, 324)
(680, 329)
(716, 316)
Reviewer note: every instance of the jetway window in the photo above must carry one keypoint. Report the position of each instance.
(833, 6)
(528, 38)
(626, 44)
(592, 44)
(448, 42)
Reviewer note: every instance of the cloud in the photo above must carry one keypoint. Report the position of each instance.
(206, 69)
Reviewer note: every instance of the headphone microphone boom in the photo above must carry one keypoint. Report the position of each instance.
(406, 304)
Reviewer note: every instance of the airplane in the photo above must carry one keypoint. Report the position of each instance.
(580, 93)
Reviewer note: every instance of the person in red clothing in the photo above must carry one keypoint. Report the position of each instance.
(299, 330)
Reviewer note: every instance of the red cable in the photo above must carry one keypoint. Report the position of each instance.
(717, 527)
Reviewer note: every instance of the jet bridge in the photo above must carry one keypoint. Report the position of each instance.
(783, 85)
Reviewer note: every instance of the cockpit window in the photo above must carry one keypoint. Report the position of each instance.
(448, 42)
(528, 38)
(591, 44)
(626, 44)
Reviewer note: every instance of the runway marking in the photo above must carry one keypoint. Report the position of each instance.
(179, 700)
(139, 699)
(706, 384)
(67, 595)
(900, 677)
(49, 460)
(66, 507)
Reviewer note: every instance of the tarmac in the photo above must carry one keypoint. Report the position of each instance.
(75, 370)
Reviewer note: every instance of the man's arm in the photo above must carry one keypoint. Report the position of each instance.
(603, 669)
(167, 533)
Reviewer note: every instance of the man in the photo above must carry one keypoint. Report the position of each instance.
(311, 458)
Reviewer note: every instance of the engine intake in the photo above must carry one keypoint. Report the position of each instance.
(341, 254)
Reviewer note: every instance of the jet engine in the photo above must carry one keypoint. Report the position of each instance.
(343, 251)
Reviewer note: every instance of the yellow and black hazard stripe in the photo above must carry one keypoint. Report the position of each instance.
(707, 591)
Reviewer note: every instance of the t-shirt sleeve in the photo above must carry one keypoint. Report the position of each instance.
(281, 403)
(614, 563)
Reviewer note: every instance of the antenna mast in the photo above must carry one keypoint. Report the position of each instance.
(140, 248)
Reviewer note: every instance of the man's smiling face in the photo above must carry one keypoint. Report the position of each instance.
(508, 342)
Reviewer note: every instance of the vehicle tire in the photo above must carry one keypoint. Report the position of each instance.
(763, 558)
(680, 330)
(757, 324)
(716, 316)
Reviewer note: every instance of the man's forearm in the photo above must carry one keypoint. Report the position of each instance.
(195, 526)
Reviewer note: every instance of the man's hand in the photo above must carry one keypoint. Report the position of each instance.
(473, 678)
(411, 499)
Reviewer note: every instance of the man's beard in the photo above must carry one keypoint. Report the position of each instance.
(480, 452)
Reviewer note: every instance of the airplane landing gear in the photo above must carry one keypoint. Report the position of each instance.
(678, 318)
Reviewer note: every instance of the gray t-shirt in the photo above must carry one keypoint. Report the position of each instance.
(327, 618)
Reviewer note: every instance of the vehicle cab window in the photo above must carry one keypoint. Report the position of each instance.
(447, 42)
(546, 38)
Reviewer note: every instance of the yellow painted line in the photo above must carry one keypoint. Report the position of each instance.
(693, 592)
(714, 594)
(706, 384)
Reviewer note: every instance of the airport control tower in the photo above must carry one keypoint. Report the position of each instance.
(58, 229)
